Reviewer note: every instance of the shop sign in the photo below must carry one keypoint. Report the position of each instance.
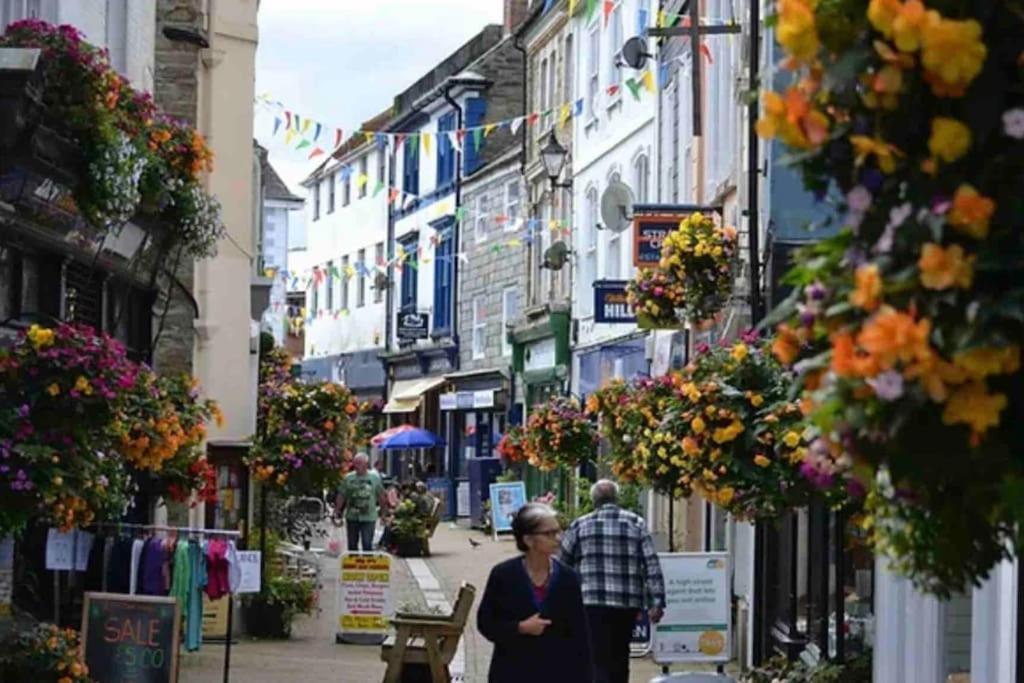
(610, 302)
(413, 325)
(68, 550)
(540, 355)
(468, 400)
(506, 499)
(365, 600)
(131, 637)
(650, 230)
(696, 623)
(249, 561)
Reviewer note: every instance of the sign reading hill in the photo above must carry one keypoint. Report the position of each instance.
(131, 638)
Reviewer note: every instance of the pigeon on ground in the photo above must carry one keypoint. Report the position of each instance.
(475, 544)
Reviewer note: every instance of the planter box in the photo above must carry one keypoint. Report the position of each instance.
(409, 547)
(263, 620)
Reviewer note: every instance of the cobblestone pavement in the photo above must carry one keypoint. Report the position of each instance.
(312, 655)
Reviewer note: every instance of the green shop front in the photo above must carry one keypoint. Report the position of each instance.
(541, 360)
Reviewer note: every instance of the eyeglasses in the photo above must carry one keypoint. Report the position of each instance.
(550, 533)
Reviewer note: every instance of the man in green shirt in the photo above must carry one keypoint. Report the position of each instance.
(360, 498)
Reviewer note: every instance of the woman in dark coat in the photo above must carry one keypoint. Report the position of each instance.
(532, 609)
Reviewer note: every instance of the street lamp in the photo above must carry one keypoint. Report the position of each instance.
(554, 157)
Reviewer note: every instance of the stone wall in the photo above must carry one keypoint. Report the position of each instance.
(176, 90)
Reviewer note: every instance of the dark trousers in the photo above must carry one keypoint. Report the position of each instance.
(359, 531)
(611, 629)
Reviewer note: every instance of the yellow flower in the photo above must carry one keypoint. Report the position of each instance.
(761, 461)
(756, 400)
(791, 439)
(40, 336)
(727, 434)
(973, 406)
(739, 352)
(53, 389)
(82, 385)
(971, 212)
(690, 446)
(885, 154)
(867, 293)
(909, 25)
(980, 362)
(943, 268)
(882, 14)
(950, 139)
(725, 495)
(691, 391)
(697, 425)
(952, 54)
(796, 31)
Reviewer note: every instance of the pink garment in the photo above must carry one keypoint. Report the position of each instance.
(217, 583)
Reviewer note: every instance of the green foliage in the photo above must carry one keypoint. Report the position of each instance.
(781, 670)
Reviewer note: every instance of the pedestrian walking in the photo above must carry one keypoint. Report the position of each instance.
(620, 573)
(360, 499)
(532, 609)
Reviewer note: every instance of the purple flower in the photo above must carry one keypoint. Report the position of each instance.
(24, 411)
(1013, 123)
(815, 291)
(888, 386)
(885, 242)
(859, 199)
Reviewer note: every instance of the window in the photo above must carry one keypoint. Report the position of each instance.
(511, 204)
(545, 96)
(329, 286)
(479, 327)
(445, 151)
(316, 200)
(331, 181)
(593, 68)
(16, 10)
(480, 219)
(443, 257)
(411, 166)
(613, 75)
(364, 176)
(381, 166)
(378, 253)
(410, 280)
(509, 312)
(346, 187)
(641, 179)
(344, 282)
(589, 270)
(315, 298)
(553, 101)
(613, 247)
(361, 286)
(568, 87)
(476, 110)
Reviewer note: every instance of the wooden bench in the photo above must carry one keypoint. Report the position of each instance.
(430, 639)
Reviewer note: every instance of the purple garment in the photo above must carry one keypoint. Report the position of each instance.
(152, 580)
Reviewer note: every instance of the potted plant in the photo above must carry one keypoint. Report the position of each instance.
(270, 613)
(408, 529)
(43, 653)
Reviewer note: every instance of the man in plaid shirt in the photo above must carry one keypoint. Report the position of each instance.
(613, 553)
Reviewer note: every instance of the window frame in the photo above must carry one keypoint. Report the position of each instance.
(478, 349)
(616, 33)
(507, 317)
(343, 275)
(346, 188)
(480, 217)
(444, 284)
(361, 274)
(364, 172)
(331, 182)
(409, 287)
(590, 252)
(378, 292)
(445, 151)
(593, 70)
(316, 199)
(329, 287)
(512, 208)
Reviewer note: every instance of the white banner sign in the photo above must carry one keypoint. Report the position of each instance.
(68, 550)
(249, 561)
(698, 610)
(365, 601)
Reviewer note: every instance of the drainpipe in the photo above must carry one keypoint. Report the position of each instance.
(456, 227)
(389, 250)
(517, 43)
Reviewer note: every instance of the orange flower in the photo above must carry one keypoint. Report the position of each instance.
(952, 53)
(868, 287)
(786, 345)
(971, 212)
(882, 15)
(973, 406)
(943, 268)
(885, 153)
(909, 25)
(848, 360)
(935, 375)
(891, 336)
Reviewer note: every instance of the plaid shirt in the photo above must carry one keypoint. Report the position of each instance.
(613, 553)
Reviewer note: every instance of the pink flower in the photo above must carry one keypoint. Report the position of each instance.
(1013, 123)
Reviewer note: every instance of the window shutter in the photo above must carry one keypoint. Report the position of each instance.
(476, 109)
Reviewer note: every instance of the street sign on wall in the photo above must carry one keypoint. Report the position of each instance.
(413, 325)
(610, 304)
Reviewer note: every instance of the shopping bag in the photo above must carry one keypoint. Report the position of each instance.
(334, 542)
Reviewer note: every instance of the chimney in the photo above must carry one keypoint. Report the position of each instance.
(516, 12)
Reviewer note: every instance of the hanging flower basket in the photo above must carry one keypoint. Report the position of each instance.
(559, 434)
(512, 446)
(907, 324)
(306, 434)
(693, 281)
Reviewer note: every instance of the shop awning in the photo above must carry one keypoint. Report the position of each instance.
(406, 394)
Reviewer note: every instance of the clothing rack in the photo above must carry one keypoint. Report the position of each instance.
(229, 533)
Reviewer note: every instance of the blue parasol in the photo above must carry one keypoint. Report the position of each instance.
(411, 438)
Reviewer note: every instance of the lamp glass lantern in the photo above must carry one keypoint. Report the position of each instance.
(554, 156)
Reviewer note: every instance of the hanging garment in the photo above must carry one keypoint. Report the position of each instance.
(94, 568)
(137, 546)
(217, 585)
(152, 566)
(180, 581)
(118, 569)
(197, 582)
(234, 567)
(108, 547)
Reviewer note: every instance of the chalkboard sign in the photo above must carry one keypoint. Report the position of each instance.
(131, 638)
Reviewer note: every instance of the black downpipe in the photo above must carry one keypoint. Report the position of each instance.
(456, 227)
(389, 295)
(517, 43)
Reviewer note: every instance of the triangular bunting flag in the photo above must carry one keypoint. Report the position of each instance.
(425, 139)
(609, 5)
(382, 140)
(532, 119)
(316, 135)
(277, 124)
(338, 135)
(547, 5)
(362, 180)
(648, 80)
(288, 120)
(399, 139)
(288, 136)
(612, 90)
(380, 186)
(460, 213)
(564, 116)
(579, 107)
(305, 126)
(478, 134)
(591, 6)
(392, 196)
(298, 124)
(662, 76)
(454, 140)
(367, 137)
(515, 124)
(572, 7)
(315, 153)
(641, 22)
(634, 87)
(460, 136)
(489, 128)
(706, 51)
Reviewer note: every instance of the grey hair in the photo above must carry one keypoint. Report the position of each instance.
(361, 457)
(528, 519)
(604, 491)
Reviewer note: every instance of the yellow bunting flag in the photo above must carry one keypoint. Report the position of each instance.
(572, 7)
(489, 128)
(648, 81)
(368, 137)
(289, 136)
(305, 125)
(514, 243)
(661, 18)
(425, 137)
(362, 180)
(564, 116)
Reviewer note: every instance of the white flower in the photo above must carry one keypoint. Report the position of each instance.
(859, 199)
(1013, 123)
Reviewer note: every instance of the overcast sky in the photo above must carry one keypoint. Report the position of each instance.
(342, 61)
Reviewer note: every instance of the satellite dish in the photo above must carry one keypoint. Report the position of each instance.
(617, 206)
(635, 54)
(556, 255)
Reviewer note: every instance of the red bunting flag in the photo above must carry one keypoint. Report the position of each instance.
(532, 119)
(704, 50)
(392, 195)
(612, 89)
(337, 137)
(315, 153)
(288, 120)
(609, 5)
(399, 139)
